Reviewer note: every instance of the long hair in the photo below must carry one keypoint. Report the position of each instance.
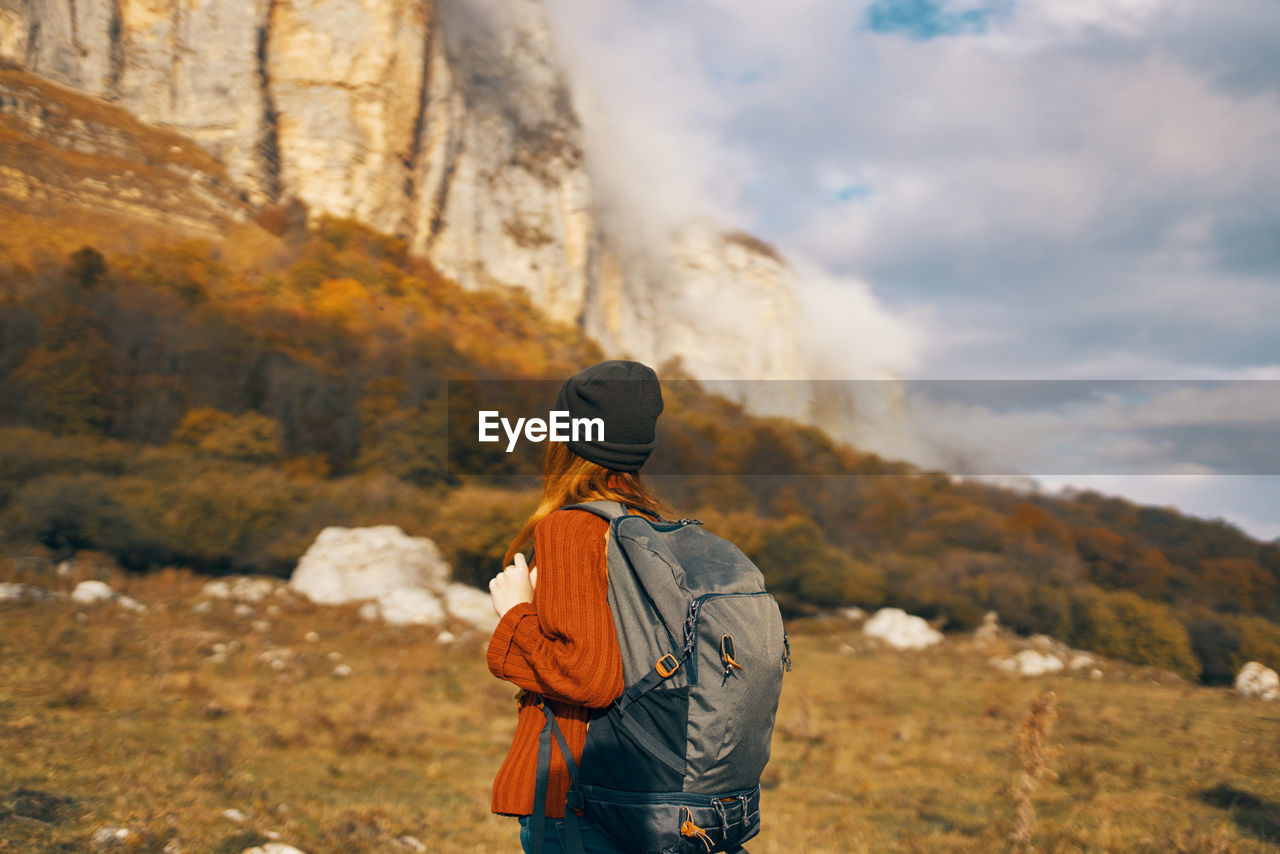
(569, 479)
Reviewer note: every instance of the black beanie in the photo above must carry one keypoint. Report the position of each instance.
(628, 398)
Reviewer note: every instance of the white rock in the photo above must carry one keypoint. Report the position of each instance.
(409, 843)
(1029, 662)
(277, 659)
(111, 837)
(216, 589)
(12, 592)
(851, 613)
(472, 606)
(342, 670)
(311, 637)
(242, 588)
(243, 611)
(130, 604)
(351, 564)
(370, 611)
(273, 848)
(1081, 660)
(1048, 643)
(901, 630)
(233, 815)
(990, 628)
(411, 606)
(1258, 681)
(93, 591)
(446, 637)
(202, 607)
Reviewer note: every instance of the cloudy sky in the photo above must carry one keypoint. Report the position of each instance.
(987, 189)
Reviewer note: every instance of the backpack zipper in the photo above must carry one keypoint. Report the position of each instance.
(689, 652)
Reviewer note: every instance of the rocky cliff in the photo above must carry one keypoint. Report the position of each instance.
(448, 123)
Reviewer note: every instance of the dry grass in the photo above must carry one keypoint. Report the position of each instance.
(159, 721)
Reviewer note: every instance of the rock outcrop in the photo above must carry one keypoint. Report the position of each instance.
(351, 564)
(95, 592)
(448, 123)
(401, 579)
(1258, 682)
(901, 630)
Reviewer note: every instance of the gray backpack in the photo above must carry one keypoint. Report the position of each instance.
(673, 765)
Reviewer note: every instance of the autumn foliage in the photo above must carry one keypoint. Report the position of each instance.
(216, 405)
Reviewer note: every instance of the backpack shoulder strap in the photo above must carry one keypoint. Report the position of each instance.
(607, 510)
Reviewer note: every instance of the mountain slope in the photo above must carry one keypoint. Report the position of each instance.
(448, 124)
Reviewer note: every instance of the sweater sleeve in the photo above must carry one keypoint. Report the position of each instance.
(563, 645)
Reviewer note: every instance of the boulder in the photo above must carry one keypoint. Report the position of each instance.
(1029, 662)
(93, 592)
(402, 580)
(1081, 660)
(472, 606)
(350, 564)
(1258, 682)
(10, 592)
(408, 606)
(901, 630)
(243, 588)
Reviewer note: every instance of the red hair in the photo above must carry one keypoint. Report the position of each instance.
(570, 479)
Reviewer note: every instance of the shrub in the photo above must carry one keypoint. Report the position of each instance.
(1126, 626)
(1259, 641)
(249, 437)
(474, 527)
(1217, 646)
(68, 512)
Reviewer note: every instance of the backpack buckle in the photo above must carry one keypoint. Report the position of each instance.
(664, 669)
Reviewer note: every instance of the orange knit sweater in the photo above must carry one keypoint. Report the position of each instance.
(562, 646)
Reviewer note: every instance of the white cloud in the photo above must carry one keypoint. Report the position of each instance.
(1086, 189)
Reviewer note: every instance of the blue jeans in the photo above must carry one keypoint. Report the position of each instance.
(594, 840)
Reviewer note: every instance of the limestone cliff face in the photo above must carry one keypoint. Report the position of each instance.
(446, 122)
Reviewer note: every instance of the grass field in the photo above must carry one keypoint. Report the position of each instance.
(159, 721)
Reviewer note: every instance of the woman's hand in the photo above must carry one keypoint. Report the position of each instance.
(512, 586)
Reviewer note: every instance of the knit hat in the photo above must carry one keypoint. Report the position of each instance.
(628, 398)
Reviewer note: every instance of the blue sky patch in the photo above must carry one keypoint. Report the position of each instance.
(853, 192)
(929, 19)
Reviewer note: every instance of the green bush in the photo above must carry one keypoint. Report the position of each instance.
(1124, 625)
(1259, 641)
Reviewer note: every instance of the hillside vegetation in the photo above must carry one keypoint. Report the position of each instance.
(213, 405)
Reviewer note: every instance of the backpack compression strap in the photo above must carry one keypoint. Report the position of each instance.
(537, 823)
(607, 510)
